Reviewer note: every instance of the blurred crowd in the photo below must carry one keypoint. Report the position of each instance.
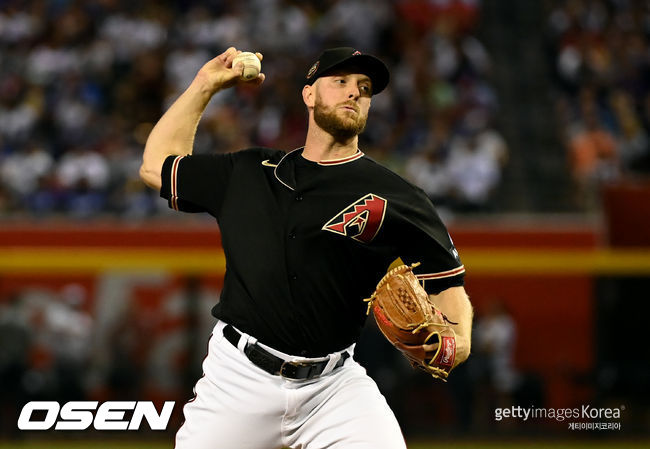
(46, 346)
(600, 51)
(123, 338)
(83, 82)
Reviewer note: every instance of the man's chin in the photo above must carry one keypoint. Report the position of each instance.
(349, 123)
(345, 133)
(342, 125)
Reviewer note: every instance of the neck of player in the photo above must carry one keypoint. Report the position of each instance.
(322, 146)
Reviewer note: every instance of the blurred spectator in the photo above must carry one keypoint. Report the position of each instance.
(473, 173)
(23, 171)
(182, 64)
(129, 352)
(46, 345)
(83, 174)
(428, 170)
(427, 167)
(69, 329)
(594, 159)
(495, 338)
(495, 377)
(341, 23)
(14, 359)
(634, 148)
(20, 106)
(476, 158)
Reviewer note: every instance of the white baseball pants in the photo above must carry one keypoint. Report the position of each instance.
(240, 406)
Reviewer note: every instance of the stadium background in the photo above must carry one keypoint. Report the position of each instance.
(526, 122)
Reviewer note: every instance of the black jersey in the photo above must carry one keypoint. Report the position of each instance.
(306, 242)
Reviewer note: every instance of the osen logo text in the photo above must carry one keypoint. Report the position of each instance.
(80, 415)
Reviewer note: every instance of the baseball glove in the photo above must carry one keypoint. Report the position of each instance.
(411, 322)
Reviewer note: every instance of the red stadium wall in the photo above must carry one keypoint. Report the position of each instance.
(551, 306)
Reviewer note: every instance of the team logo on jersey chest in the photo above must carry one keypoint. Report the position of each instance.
(361, 220)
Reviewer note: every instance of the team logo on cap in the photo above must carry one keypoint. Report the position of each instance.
(356, 53)
(361, 220)
(313, 69)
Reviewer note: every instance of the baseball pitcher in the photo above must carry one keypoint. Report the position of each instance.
(310, 237)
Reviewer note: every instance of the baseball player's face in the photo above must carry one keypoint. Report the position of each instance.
(341, 105)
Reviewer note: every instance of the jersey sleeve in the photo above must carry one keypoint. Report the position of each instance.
(196, 183)
(424, 239)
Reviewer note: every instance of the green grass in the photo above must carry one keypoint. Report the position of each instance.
(531, 445)
(85, 445)
(445, 445)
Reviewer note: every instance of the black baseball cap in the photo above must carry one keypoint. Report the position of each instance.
(341, 57)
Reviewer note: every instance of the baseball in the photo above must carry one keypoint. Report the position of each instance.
(252, 64)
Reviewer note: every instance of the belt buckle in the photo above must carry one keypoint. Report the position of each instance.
(293, 369)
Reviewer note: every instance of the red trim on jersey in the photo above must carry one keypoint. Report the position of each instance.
(442, 274)
(354, 157)
(174, 185)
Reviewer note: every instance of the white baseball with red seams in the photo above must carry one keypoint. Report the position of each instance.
(251, 63)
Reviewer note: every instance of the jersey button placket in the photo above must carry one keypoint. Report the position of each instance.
(292, 236)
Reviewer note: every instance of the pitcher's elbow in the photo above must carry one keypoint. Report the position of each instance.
(150, 177)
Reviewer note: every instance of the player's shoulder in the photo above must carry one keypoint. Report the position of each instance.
(396, 181)
(260, 154)
(253, 153)
(251, 157)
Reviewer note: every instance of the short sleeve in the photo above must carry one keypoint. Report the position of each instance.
(424, 239)
(196, 183)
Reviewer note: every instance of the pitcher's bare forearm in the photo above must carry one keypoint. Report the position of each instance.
(175, 131)
(455, 304)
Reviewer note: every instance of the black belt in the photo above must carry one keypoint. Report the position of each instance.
(277, 366)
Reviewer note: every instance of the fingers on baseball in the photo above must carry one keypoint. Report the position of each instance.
(261, 77)
(231, 53)
(259, 80)
(239, 70)
(227, 56)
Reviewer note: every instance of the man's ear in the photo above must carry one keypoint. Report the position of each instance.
(309, 95)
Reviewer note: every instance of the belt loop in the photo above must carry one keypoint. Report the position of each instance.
(244, 341)
(218, 328)
(331, 363)
(241, 344)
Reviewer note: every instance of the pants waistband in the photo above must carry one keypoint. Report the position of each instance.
(296, 369)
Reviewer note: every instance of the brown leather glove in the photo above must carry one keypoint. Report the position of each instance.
(411, 322)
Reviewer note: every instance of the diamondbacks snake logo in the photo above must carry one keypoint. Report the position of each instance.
(361, 220)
